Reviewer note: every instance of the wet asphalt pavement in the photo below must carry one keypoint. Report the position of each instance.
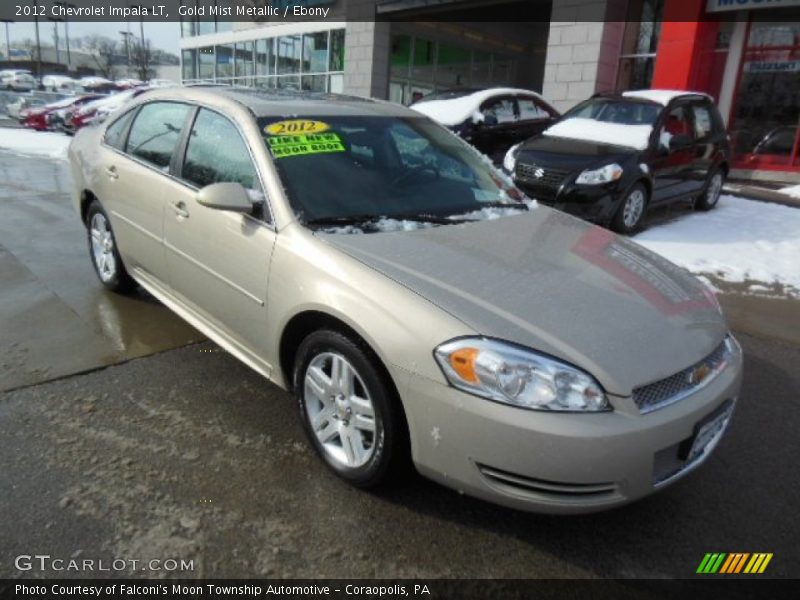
(187, 454)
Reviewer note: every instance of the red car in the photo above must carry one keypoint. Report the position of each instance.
(42, 118)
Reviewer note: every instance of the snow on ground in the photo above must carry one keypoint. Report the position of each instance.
(35, 143)
(793, 191)
(739, 241)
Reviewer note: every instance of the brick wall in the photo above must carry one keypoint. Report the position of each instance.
(582, 50)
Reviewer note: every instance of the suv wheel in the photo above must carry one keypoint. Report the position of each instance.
(349, 411)
(631, 210)
(103, 250)
(713, 189)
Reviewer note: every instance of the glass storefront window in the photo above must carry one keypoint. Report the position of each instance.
(453, 68)
(639, 43)
(422, 66)
(206, 26)
(265, 57)
(337, 50)
(244, 66)
(224, 61)
(315, 83)
(189, 59)
(290, 50)
(205, 63)
(315, 52)
(765, 125)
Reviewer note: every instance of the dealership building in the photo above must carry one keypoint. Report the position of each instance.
(745, 53)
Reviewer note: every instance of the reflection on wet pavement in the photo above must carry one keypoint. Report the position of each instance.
(55, 317)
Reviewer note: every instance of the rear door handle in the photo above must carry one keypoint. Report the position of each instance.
(179, 208)
(112, 172)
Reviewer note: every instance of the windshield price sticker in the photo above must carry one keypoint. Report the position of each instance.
(296, 126)
(297, 145)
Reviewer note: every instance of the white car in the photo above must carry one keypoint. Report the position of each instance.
(17, 79)
(59, 83)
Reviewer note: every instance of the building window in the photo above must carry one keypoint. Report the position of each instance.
(205, 63)
(639, 44)
(224, 62)
(290, 51)
(189, 59)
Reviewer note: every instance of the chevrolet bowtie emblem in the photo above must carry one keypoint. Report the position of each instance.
(698, 374)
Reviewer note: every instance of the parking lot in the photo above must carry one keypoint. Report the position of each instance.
(125, 435)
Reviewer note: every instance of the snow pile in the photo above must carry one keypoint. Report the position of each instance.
(453, 111)
(793, 191)
(663, 97)
(740, 240)
(510, 159)
(618, 134)
(34, 143)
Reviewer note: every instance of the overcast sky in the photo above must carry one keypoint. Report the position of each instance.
(162, 35)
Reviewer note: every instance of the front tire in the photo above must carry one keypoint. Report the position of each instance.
(349, 410)
(103, 251)
(631, 211)
(710, 196)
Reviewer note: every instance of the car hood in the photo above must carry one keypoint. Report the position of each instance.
(550, 282)
(570, 154)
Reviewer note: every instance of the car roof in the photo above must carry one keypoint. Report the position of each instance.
(284, 103)
(657, 97)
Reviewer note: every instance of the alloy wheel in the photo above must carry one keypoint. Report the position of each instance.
(103, 247)
(714, 189)
(340, 410)
(634, 207)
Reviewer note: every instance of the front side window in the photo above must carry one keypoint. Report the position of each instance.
(362, 167)
(155, 132)
(115, 134)
(216, 153)
(676, 123)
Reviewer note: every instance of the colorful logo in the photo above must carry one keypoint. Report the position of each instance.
(737, 562)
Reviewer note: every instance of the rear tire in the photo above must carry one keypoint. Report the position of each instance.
(631, 211)
(350, 412)
(103, 251)
(711, 193)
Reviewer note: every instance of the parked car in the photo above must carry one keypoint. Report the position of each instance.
(492, 120)
(59, 83)
(126, 84)
(96, 110)
(427, 313)
(16, 109)
(51, 116)
(97, 85)
(614, 156)
(20, 80)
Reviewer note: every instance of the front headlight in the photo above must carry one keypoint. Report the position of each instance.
(507, 373)
(605, 174)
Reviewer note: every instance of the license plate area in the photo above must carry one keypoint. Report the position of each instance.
(709, 431)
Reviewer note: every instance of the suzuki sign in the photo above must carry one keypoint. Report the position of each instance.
(723, 5)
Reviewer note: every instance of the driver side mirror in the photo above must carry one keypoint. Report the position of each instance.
(226, 196)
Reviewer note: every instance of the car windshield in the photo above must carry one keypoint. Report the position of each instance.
(357, 169)
(609, 110)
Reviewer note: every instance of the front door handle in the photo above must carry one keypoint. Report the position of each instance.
(112, 172)
(179, 208)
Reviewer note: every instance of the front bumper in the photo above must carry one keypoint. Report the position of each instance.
(592, 203)
(557, 462)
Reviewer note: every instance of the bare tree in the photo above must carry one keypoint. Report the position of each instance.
(103, 51)
(142, 58)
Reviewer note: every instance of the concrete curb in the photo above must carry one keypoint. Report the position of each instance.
(762, 194)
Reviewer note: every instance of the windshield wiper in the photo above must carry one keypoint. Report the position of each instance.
(367, 219)
(343, 220)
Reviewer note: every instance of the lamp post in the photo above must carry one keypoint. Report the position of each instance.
(38, 42)
(8, 39)
(56, 21)
(66, 28)
(126, 36)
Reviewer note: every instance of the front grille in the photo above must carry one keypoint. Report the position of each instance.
(551, 490)
(536, 176)
(666, 391)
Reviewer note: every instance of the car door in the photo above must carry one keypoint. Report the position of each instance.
(534, 117)
(494, 134)
(218, 260)
(673, 163)
(133, 177)
(706, 140)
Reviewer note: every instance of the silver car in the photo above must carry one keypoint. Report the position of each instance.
(416, 304)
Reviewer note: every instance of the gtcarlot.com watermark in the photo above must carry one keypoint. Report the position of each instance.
(46, 562)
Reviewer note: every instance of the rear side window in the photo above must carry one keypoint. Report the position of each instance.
(703, 124)
(115, 134)
(500, 111)
(530, 109)
(156, 131)
(217, 153)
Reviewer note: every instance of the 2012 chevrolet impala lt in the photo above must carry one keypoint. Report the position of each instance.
(414, 301)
